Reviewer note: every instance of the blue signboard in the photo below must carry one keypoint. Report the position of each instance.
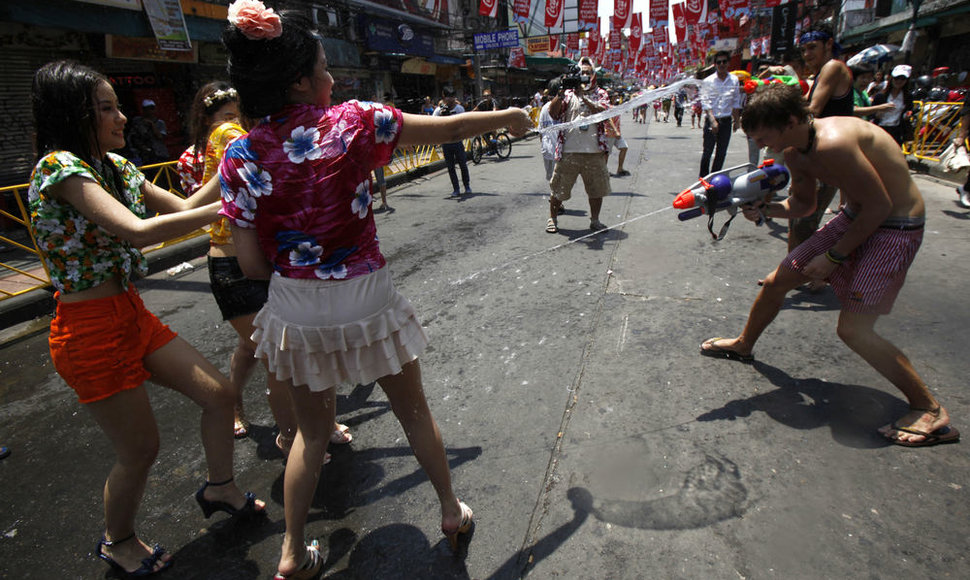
(386, 36)
(500, 39)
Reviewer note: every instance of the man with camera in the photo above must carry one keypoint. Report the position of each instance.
(579, 151)
(454, 152)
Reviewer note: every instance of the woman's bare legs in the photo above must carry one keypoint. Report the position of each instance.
(127, 419)
(406, 395)
(180, 367)
(241, 367)
(315, 413)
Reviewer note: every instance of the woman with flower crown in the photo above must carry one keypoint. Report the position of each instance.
(214, 123)
(89, 212)
(297, 192)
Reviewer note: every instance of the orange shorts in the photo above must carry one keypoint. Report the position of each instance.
(98, 346)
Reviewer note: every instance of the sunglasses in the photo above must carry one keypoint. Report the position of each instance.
(720, 62)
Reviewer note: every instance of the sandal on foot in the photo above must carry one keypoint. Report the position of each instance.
(596, 225)
(240, 429)
(311, 567)
(945, 434)
(210, 507)
(147, 567)
(341, 435)
(719, 352)
(467, 520)
(551, 226)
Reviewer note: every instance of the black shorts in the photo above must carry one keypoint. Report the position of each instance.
(235, 294)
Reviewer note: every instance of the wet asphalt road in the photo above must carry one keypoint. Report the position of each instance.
(583, 428)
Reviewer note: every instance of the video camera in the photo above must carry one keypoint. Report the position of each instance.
(573, 78)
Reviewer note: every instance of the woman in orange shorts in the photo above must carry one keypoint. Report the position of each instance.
(89, 212)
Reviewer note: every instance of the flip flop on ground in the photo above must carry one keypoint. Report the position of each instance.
(710, 348)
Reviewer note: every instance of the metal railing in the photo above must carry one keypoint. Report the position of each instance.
(934, 126)
(25, 271)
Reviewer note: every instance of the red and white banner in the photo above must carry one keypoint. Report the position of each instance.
(636, 33)
(553, 14)
(488, 8)
(516, 57)
(623, 12)
(593, 42)
(572, 41)
(696, 11)
(521, 11)
(680, 22)
(658, 13)
(587, 14)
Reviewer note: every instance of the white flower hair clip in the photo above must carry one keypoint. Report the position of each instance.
(229, 94)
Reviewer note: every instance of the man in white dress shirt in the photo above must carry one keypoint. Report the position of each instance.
(721, 102)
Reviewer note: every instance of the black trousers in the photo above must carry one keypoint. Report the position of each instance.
(455, 153)
(712, 140)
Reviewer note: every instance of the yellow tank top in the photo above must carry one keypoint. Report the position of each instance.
(220, 232)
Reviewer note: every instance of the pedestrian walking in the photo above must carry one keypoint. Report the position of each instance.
(296, 190)
(864, 252)
(722, 107)
(454, 152)
(89, 212)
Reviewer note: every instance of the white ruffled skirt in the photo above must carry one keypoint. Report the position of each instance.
(325, 333)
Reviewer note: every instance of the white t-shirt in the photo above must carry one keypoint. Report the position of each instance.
(583, 139)
(548, 142)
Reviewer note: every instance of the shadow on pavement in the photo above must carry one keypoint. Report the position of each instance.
(851, 412)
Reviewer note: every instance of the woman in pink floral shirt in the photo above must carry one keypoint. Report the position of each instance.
(297, 191)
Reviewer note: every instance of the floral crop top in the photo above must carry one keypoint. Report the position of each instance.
(301, 178)
(79, 253)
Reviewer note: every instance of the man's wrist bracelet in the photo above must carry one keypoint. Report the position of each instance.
(835, 257)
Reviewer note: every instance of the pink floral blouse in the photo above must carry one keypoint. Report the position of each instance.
(301, 178)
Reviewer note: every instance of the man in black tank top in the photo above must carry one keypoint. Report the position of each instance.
(830, 96)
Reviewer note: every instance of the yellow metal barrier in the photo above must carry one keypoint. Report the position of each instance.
(409, 158)
(935, 125)
(25, 271)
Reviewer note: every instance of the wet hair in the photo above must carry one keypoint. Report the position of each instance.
(263, 70)
(200, 115)
(773, 106)
(65, 117)
(447, 91)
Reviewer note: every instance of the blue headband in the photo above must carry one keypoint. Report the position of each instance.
(814, 35)
(820, 36)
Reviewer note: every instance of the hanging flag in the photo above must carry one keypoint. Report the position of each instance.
(636, 33)
(516, 57)
(658, 13)
(587, 14)
(696, 11)
(680, 23)
(623, 12)
(521, 11)
(572, 41)
(553, 14)
(592, 43)
(488, 8)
